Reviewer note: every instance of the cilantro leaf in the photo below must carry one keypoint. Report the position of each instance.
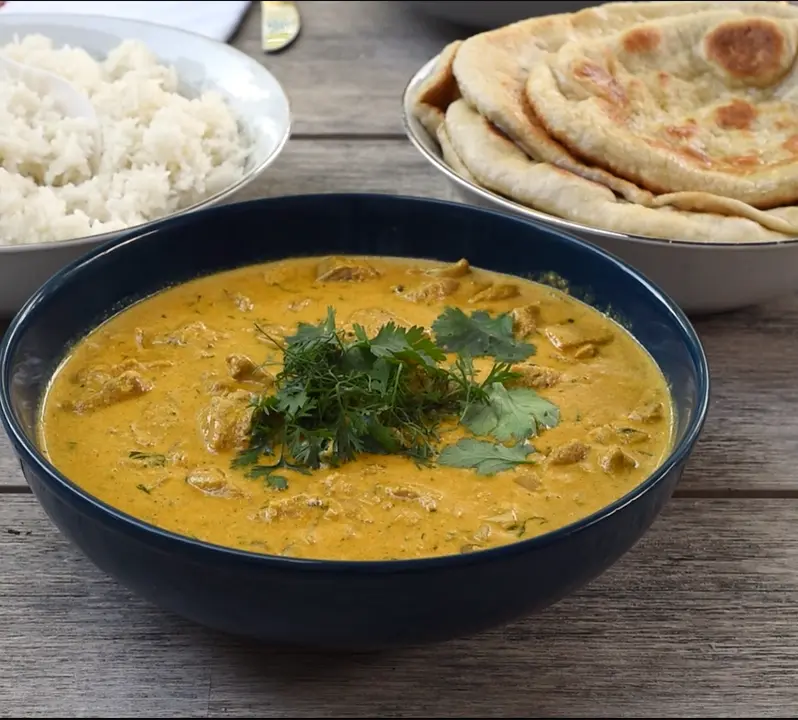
(486, 458)
(480, 334)
(306, 332)
(511, 414)
(276, 482)
(291, 399)
(250, 455)
(410, 345)
(380, 375)
(384, 437)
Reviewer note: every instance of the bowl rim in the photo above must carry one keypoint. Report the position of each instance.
(26, 449)
(413, 128)
(74, 20)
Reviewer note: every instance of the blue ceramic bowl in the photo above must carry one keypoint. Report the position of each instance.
(334, 604)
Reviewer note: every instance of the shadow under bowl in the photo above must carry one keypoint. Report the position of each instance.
(337, 604)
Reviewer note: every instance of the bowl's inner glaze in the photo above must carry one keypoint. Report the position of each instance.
(182, 248)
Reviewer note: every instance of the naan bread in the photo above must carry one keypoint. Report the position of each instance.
(499, 165)
(450, 156)
(705, 102)
(437, 91)
(491, 71)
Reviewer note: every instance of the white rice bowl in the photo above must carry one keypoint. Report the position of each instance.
(162, 151)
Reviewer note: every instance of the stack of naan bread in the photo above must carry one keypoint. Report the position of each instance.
(675, 120)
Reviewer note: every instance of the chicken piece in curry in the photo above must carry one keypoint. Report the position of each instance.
(358, 408)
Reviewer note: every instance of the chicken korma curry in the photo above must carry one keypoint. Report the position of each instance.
(358, 408)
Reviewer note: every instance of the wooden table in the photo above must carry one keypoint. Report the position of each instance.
(699, 620)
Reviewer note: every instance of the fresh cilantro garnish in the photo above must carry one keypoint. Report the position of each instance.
(411, 345)
(306, 332)
(276, 482)
(479, 335)
(252, 453)
(513, 414)
(336, 398)
(485, 457)
(339, 395)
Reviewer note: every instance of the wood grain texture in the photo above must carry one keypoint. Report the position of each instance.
(750, 440)
(699, 620)
(334, 165)
(751, 436)
(10, 474)
(77, 645)
(346, 71)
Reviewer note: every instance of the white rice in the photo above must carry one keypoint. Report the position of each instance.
(161, 151)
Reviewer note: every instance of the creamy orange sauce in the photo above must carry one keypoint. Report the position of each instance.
(145, 413)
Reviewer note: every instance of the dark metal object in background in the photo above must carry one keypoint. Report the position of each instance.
(488, 14)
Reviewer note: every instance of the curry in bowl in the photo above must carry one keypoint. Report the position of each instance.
(358, 408)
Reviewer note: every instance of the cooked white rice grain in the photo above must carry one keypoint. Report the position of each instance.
(161, 151)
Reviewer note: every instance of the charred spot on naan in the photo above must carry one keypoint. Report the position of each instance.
(754, 50)
(737, 115)
(641, 40)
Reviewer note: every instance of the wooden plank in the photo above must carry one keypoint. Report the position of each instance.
(77, 645)
(332, 165)
(699, 620)
(346, 71)
(10, 473)
(751, 436)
